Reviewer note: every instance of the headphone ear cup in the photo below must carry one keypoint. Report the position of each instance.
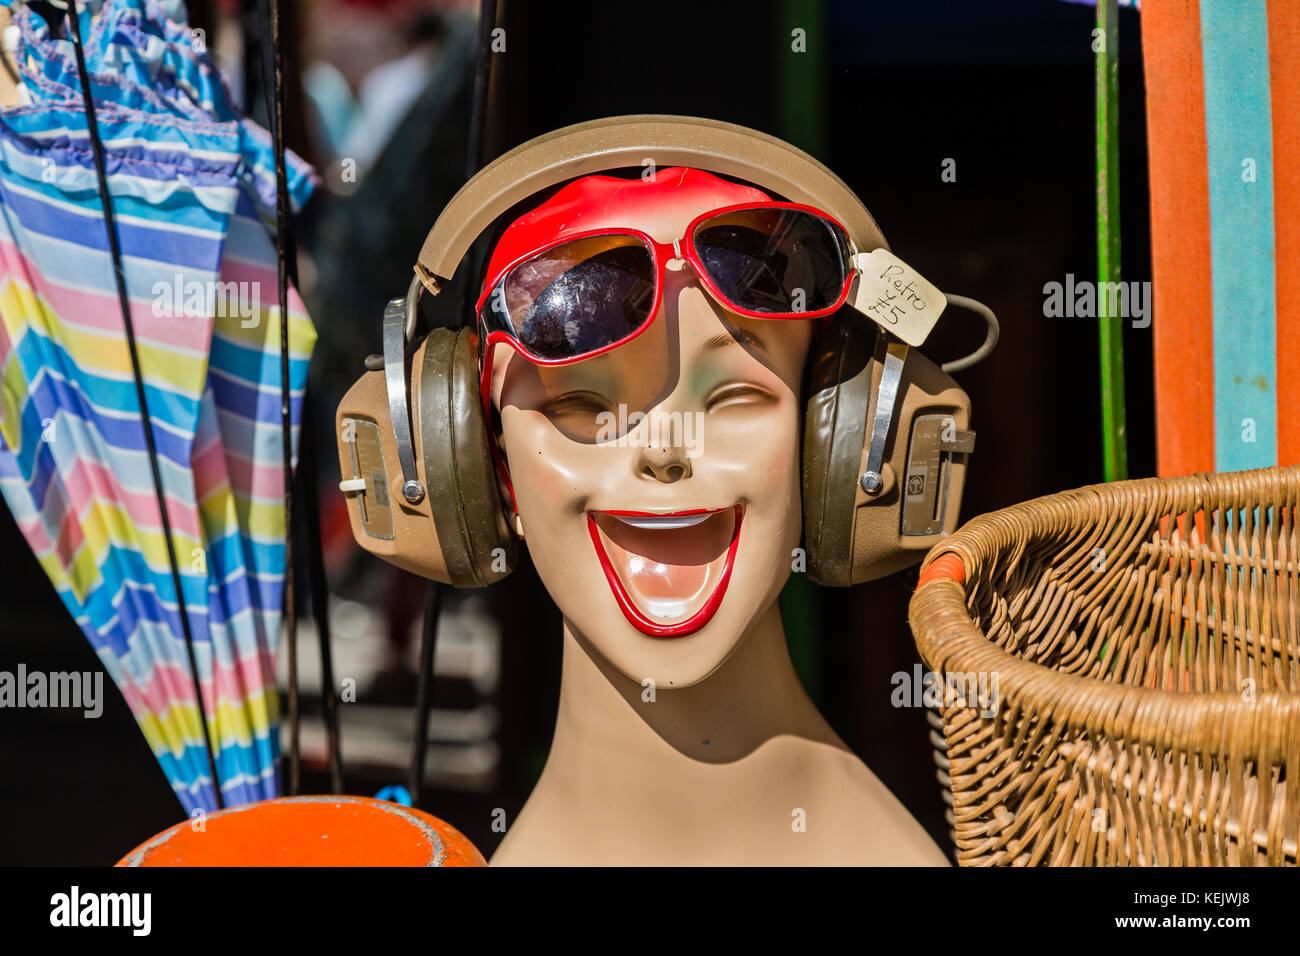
(835, 421)
(477, 544)
(851, 535)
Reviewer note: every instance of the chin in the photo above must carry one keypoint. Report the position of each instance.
(671, 665)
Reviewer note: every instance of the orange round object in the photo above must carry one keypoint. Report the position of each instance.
(309, 831)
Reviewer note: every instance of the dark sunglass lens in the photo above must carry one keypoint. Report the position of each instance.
(783, 261)
(580, 296)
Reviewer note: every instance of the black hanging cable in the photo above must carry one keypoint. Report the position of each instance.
(478, 123)
(250, 31)
(424, 694)
(433, 601)
(307, 512)
(317, 586)
(272, 81)
(257, 30)
(128, 327)
(487, 19)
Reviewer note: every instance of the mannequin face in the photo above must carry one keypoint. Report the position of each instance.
(665, 473)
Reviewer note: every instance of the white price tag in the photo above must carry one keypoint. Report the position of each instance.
(895, 296)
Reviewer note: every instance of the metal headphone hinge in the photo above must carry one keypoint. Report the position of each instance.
(395, 339)
(873, 480)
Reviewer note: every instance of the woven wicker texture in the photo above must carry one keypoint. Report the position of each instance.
(1120, 675)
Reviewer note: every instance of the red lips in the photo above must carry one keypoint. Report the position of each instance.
(668, 560)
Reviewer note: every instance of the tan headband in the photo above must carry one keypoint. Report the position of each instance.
(631, 141)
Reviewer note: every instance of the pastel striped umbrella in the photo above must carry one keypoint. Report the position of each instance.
(1223, 131)
(191, 184)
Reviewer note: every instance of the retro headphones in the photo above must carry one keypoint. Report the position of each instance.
(886, 432)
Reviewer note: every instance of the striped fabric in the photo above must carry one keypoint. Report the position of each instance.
(192, 186)
(1223, 132)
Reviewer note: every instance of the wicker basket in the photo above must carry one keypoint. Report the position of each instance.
(1117, 673)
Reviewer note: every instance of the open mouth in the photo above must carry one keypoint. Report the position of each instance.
(668, 571)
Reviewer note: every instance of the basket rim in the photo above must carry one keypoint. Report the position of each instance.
(1212, 486)
(1265, 727)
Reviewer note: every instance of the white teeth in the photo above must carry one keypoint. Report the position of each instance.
(666, 609)
(663, 522)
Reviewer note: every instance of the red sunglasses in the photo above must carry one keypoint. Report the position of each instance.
(593, 291)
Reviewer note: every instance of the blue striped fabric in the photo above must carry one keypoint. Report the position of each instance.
(193, 186)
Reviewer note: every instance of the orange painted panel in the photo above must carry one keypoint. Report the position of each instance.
(1284, 90)
(1180, 237)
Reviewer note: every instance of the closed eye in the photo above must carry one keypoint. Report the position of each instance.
(570, 403)
(737, 394)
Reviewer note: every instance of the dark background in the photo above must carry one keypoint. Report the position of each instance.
(888, 93)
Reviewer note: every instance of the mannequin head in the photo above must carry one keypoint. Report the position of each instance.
(693, 426)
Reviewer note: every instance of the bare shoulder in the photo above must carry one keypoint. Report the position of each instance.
(852, 818)
(795, 802)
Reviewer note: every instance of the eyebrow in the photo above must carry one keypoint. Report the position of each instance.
(723, 339)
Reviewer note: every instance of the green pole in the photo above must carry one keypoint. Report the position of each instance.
(800, 57)
(1110, 328)
(801, 39)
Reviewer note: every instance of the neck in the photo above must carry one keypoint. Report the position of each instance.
(753, 697)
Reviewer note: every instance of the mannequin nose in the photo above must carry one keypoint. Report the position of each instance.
(663, 457)
(664, 463)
